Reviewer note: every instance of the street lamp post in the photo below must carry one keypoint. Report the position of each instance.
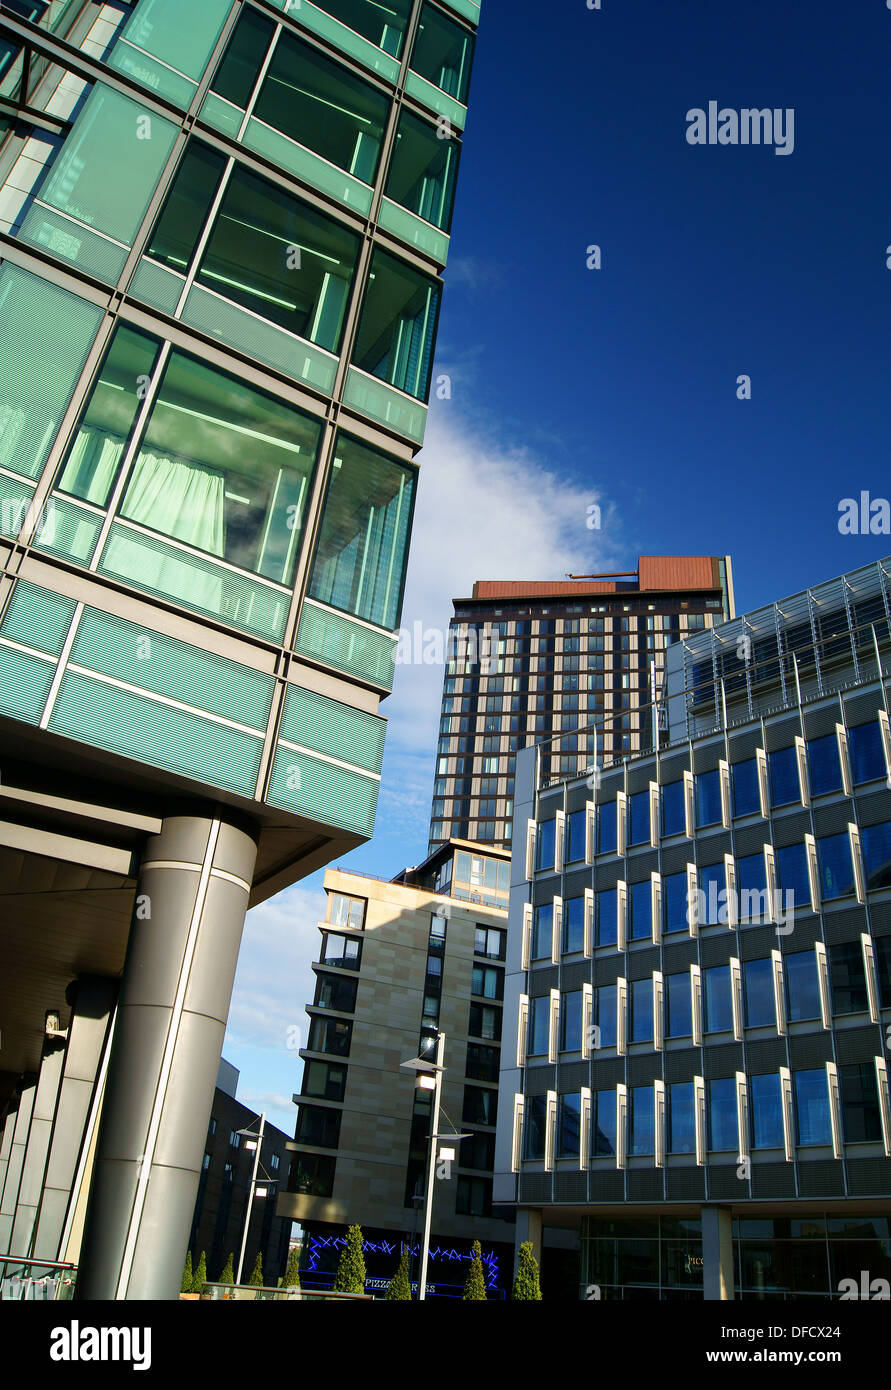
(431, 1163)
(250, 1201)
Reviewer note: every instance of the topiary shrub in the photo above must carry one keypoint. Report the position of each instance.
(228, 1274)
(256, 1279)
(526, 1285)
(350, 1277)
(188, 1277)
(475, 1283)
(400, 1287)
(292, 1273)
(200, 1275)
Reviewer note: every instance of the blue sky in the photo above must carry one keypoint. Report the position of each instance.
(619, 386)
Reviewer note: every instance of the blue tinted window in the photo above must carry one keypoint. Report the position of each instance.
(767, 1111)
(640, 910)
(545, 844)
(802, 985)
(569, 1126)
(792, 874)
(607, 906)
(678, 1005)
(866, 753)
(847, 978)
(534, 1122)
(605, 1015)
(718, 1012)
(575, 836)
(882, 947)
(674, 902)
(571, 1022)
(836, 869)
(824, 768)
(642, 1120)
(744, 782)
(861, 1116)
(542, 931)
(723, 1132)
(539, 1019)
(875, 843)
(712, 895)
(751, 885)
(606, 828)
(782, 767)
(812, 1107)
(642, 1010)
(760, 1006)
(708, 798)
(681, 1125)
(672, 797)
(574, 925)
(639, 818)
(603, 1123)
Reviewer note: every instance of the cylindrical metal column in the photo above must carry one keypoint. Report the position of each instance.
(43, 1116)
(10, 1194)
(174, 1000)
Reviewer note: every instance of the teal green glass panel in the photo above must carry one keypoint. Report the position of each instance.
(15, 499)
(440, 102)
(137, 727)
(314, 721)
(181, 35)
(148, 72)
(323, 792)
(397, 325)
(24, 684)
(114, 647)
(331, 638)
(307, 166)
(384, 30)
(38, 618)
(443, 53)
(259, 339)
(155, 284)
(222, 115)
(195, 583)
(381, 403)
(187, 206)
(362, 549)
(468, 8)
(108, 168)
(411, 229)
(46, 336)
(423, 170)
(69, 530)
(72, 241)
(246, 50)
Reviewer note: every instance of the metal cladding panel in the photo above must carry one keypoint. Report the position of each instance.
(38, 618)
(542, 588)
(137, 727)
(869, 1177)
(145, 658)
(678, 572)
(330, 727)
(820, 1178)
(15, 499)
(24, 684)
(335, 640)
(322, 791)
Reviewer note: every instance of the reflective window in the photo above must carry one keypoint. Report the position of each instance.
(545, 843)
(861, 1117)
(751, 886)
(866, 753)
(240, 68)
(539, 1025)
(744, 786)
(569, 1126)
(847, 978)
(882, 947)
(641, 1120)
(571, 1022)
(767, 1111)
(423, 170)
(782, 768)
(384, 26)
(712, 882)
(678, 1005)
(485, 1022)
(395, 336)
(681, 1122)
(723, 1132)
(325, 1080)
(344, 911)
(480, 1106)
(640, 910)
(811, 1093)
(443, 53)
(824, 768)
(575, 837)
(534, 1122)
(312, 1174)
(673, 818)
(482, 1062)
(716, 996)
(875, 844)
(542, 931)
(605, 1000)
(330, 1035)
(187, 206)
(573, 925)
(607, 908)
(362, 549)
(488, 982)
(802, 985)
(603, 1124)
(345, 951)
(639, 818)
(606, 828)
(708, 798)
(836, 869)
(758, 992)
(335, 992)
(318, 1126)
(792, 875)
(641, 1010)
(674, 902)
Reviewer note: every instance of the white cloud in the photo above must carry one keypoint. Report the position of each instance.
(274, 979)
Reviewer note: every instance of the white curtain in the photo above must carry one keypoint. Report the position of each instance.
(91, 465)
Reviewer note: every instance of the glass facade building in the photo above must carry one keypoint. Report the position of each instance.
(223, 229)
(732, 968)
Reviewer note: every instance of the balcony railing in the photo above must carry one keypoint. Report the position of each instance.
(43, 1280)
